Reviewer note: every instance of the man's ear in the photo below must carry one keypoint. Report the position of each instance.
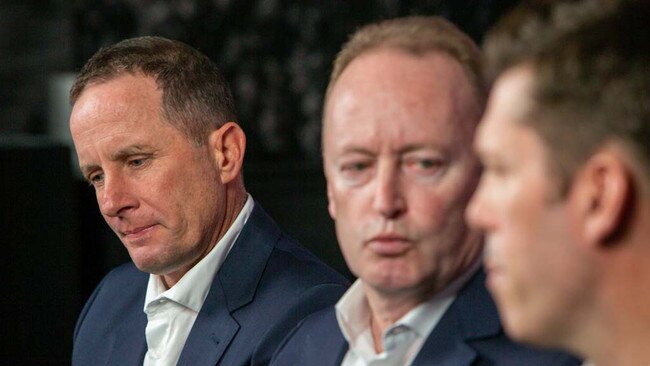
(601, 190)
(331, 205)
(228, 144)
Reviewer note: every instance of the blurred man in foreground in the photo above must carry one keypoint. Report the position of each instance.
(565, 195)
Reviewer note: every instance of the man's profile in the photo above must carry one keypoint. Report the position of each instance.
(565, 195)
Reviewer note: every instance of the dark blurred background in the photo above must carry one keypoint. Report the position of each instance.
(276, 53)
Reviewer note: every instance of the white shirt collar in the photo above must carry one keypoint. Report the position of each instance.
(193, 287)
(353, 313)
(424, 317)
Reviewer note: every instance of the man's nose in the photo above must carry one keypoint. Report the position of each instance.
(477, 213)
(389, 199)
(115, 196)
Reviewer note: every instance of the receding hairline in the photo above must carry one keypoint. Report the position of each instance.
(417, 36)
(196, 97)
(466, 89)
(107, 78)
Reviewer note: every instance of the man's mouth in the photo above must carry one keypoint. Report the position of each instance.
(389, 244)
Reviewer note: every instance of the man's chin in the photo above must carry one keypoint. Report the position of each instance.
(150, 268)
(152, 264)
(524, 328)
(393, 285)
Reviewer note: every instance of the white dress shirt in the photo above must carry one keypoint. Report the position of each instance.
(171, 312)
(403, 339)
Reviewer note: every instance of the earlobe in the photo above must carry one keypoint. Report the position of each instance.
(605, 183)
(228, 144)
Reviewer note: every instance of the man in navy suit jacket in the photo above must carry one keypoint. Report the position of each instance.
(469, 333)
(213, 279)
(400, 111)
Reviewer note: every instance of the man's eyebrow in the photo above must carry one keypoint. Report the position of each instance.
(357, 150)
(422, 146)
(86, 169)
(119, 155)
(403, 150)
(123, 153)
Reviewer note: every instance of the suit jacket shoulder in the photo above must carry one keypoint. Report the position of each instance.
(316, 341)
(468, 334)
(112, 322)
(266, 285)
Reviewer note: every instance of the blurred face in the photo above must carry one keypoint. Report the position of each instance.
(535, 271)
(158, 191)
(400, 171)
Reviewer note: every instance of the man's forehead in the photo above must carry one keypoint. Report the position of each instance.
(513, 91)
(398, 139)
(117, 96)
(510, 100)
(383, 63)
(132, 85)
(411, 79)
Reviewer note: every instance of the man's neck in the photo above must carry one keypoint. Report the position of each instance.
(234, 202)
(621, 326)
(386, 309)
(631, 352)
(628, 332)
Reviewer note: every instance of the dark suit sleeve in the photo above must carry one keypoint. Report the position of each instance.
(282, 348)
(312, 300)
(315, 341)
(113, 309)
(86, 308)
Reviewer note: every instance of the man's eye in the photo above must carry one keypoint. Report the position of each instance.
(356, 172)
(355, 167)
(428, 163)
(137, 162)
(95, 179)
(424, 165)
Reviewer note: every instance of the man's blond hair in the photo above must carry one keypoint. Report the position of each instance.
(416, 35)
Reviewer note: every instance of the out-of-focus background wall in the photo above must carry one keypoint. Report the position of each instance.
(277, 54)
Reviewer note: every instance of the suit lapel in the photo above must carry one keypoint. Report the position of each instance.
(129, 344)
(213, 330)
(329, 345)
(445, 347)
(243, 268)
(471, 316)
(234, 286)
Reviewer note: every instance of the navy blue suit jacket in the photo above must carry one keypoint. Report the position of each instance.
(469, 333)
(266, 285)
